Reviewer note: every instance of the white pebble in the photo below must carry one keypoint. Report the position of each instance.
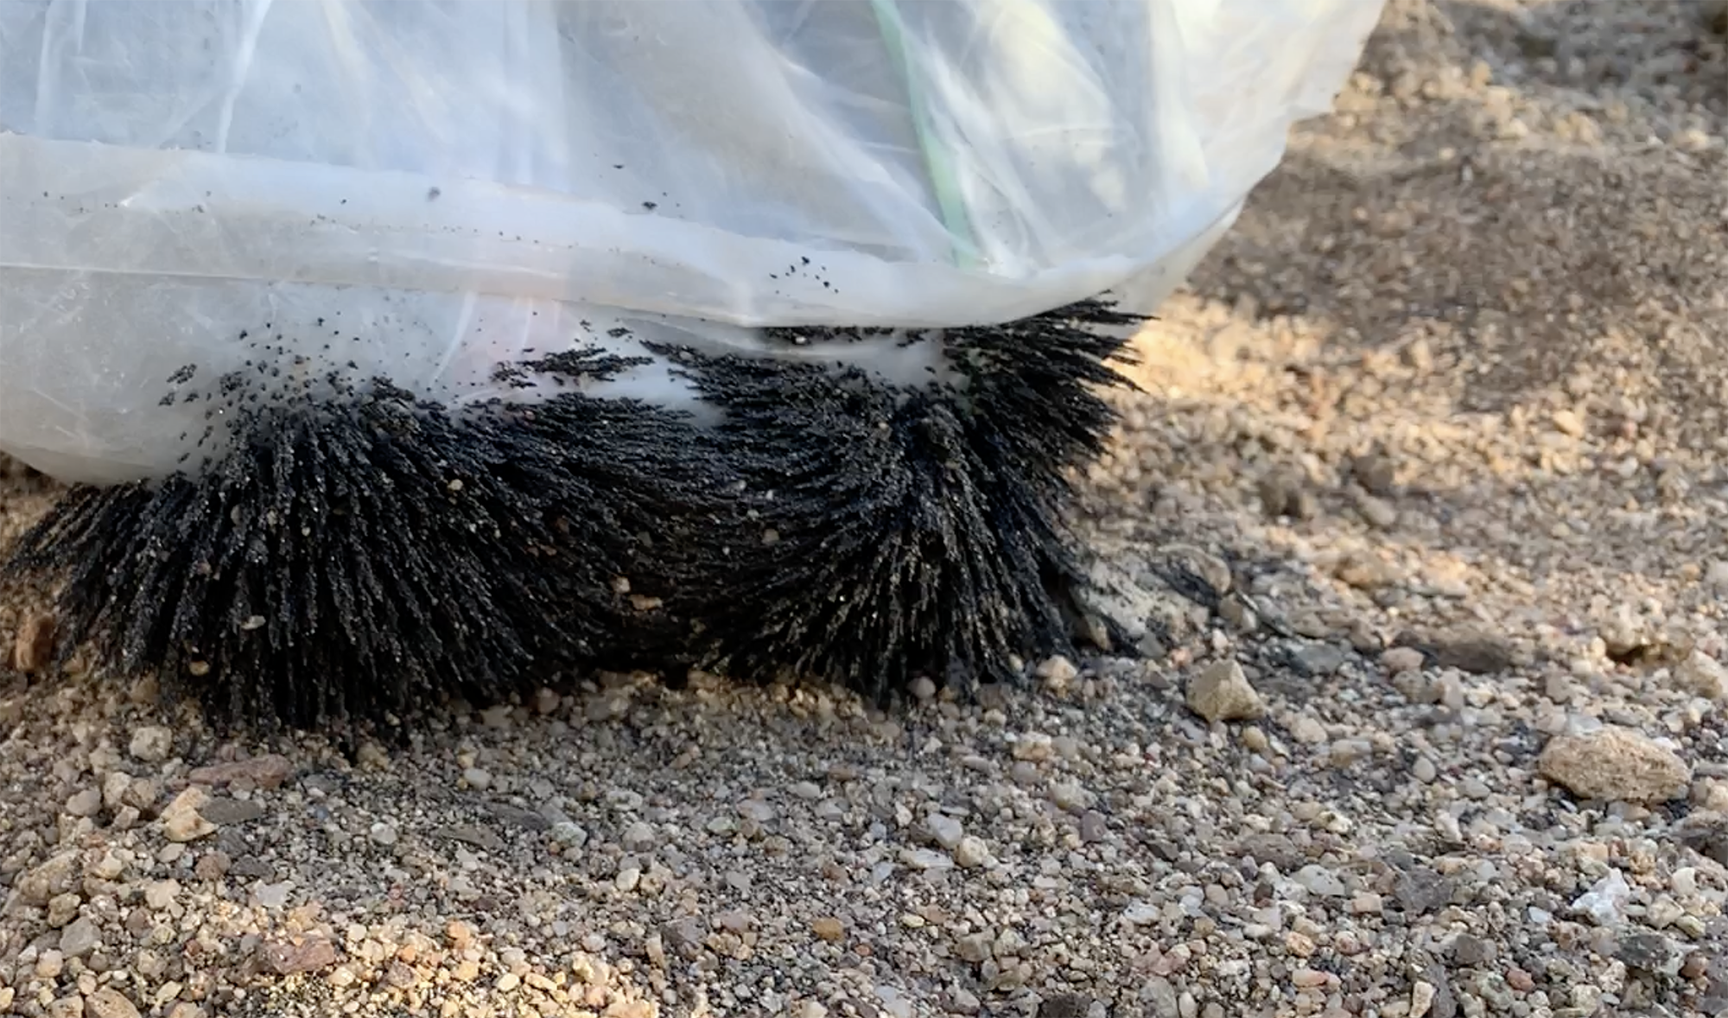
(1057, 672)
(757, 810)
(1071, 796)
(1605, 900)
(1033, 747)
(161, 894)
(569, 834)
(1221, 692)
(151, 743)
(272, 895)
(946, 831)
(926, 859)
(1308, 730)
(972, 853)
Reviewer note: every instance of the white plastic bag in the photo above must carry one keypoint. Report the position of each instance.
(426, 188)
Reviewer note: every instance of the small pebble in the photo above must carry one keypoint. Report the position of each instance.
(569, 834)
(1308, 730)
(151, 743)
(79, 938)
(971, 853)
(946, 831)
(1221, 693)
(86, 803)
(1399, 660)
(1422, 994)
(108, 1002)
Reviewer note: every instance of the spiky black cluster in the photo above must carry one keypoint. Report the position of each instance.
(907, 531)
(362, 553)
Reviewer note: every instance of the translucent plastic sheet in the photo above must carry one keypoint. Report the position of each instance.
(439, 184)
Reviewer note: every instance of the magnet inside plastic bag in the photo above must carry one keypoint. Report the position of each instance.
(205, 181)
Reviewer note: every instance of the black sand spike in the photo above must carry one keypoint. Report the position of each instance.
(893, 532)
(354, 553)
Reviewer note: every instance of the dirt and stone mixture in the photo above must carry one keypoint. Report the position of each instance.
(1425, 501)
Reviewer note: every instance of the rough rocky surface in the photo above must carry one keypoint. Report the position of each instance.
(1432, 449)
(1615, 764)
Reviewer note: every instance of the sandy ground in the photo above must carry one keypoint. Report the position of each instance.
(1425, 498)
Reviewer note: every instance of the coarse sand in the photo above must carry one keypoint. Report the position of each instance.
(1424, 502)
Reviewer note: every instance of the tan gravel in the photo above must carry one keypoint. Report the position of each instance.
(1430, 474)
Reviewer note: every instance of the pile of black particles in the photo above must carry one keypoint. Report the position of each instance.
(354, 553)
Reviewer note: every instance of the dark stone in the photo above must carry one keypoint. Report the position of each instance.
(250, 868)
(225, 812)
(1276, 849)
(1645, 952)
(1421, 890)
(471, 834)
(1064, 1005)
(1445, 1001)
(517, 817)
(1706, 834)
(1479, 655)
(1317, 659)
(1469, 951)
(684, 934)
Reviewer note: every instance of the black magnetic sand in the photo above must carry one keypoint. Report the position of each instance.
(917, 531)
(357, 554)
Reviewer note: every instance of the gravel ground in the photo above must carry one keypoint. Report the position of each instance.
(1422, 502)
